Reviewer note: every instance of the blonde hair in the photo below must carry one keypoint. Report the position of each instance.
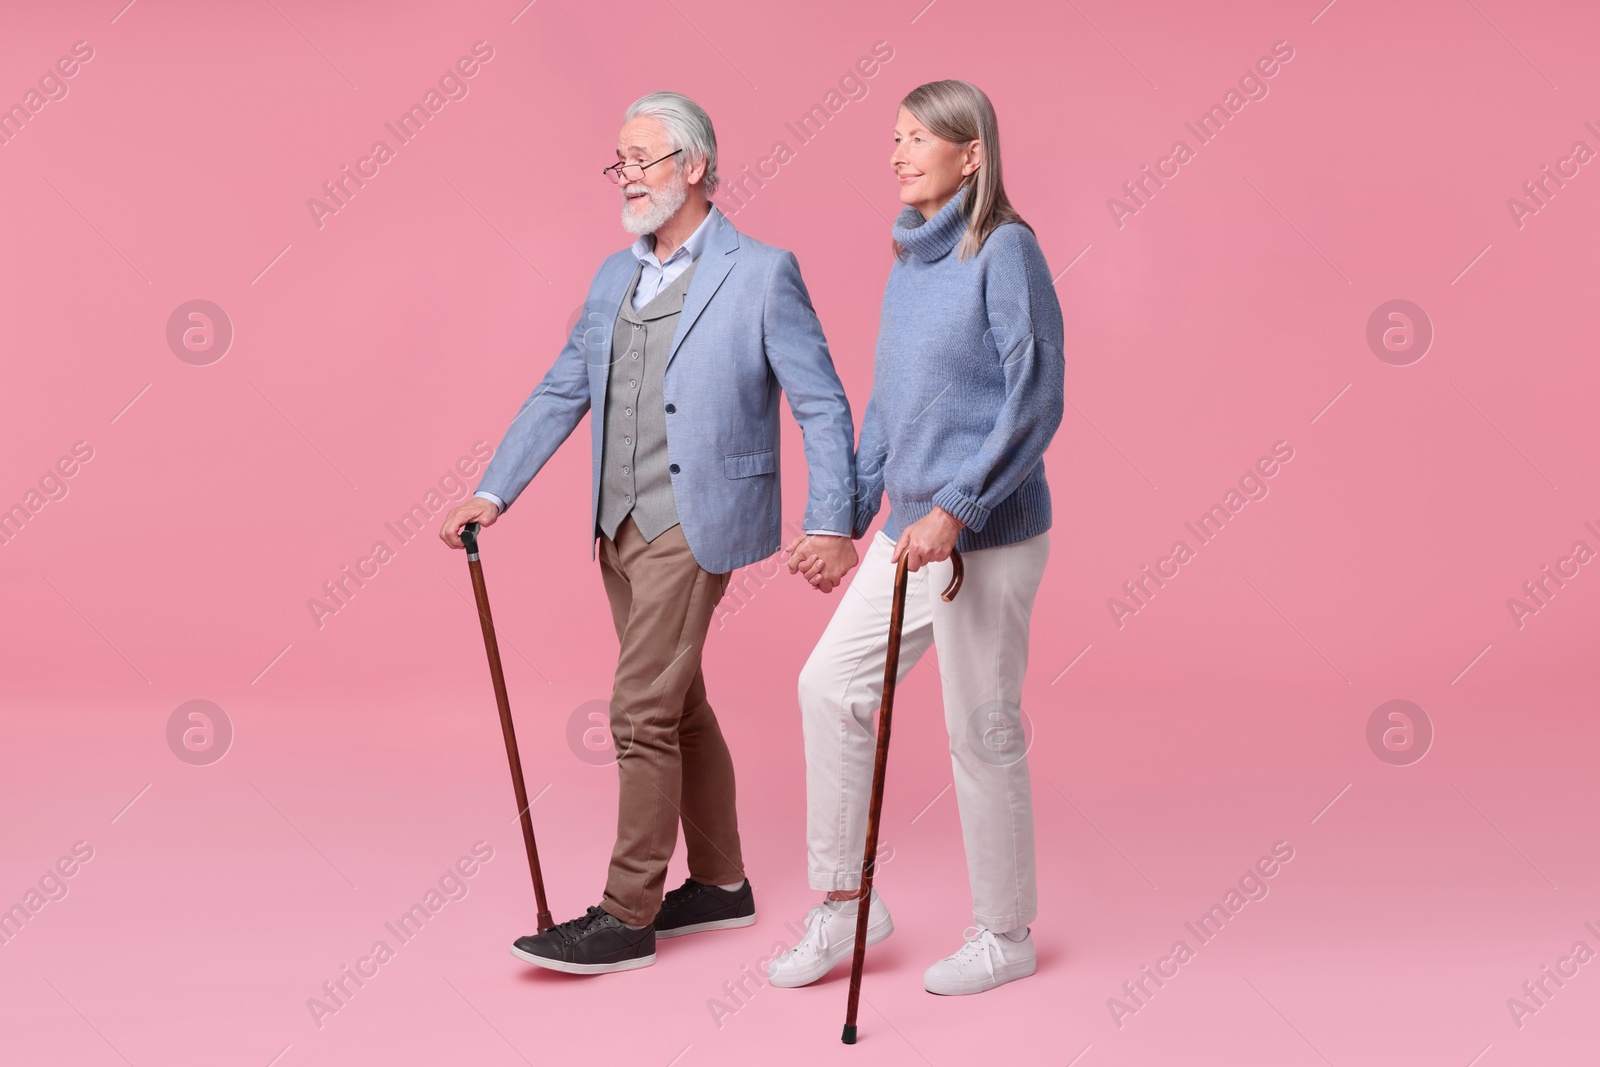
(959, 112)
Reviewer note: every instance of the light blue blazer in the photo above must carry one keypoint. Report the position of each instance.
(747, 333)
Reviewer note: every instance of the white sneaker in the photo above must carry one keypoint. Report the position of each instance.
(830, 938)
(987, 960)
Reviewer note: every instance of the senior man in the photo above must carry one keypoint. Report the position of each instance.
(683, 347)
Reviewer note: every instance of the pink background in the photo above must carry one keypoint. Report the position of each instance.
(369, 354)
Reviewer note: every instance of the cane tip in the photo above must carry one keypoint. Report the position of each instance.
(849, 1035)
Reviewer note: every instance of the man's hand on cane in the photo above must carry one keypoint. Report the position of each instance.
(822, 559)
(476, 510)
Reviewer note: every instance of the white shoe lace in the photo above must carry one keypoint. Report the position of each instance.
(816, 933)
(981, 943)
(816, 938)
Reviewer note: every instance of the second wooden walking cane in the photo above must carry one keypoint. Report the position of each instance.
(891, 671)
(469, 540)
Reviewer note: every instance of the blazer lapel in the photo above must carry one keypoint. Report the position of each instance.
(715, 263)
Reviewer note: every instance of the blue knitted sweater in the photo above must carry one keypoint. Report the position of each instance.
(967, 385)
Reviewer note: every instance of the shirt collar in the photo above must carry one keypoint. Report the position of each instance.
(644, 248)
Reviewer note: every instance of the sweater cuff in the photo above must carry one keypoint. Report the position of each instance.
(972, 514)
(869, 497)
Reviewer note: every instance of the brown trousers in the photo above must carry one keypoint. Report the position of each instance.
(672, 762)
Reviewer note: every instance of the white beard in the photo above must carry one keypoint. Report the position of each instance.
(663, 204)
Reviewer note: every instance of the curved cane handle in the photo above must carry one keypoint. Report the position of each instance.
(955, 578)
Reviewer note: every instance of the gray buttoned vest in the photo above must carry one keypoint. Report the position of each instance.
(633, 465)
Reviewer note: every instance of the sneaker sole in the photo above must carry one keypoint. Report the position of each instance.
(983, 986)
(582, 968)
(874, 936)
(716, 924)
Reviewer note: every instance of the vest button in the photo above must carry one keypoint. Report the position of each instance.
(671, 408)
(673, 468)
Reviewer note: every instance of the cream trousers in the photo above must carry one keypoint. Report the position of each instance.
(982, 639)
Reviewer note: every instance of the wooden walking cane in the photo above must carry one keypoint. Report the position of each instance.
(469, 539)
(891, 670)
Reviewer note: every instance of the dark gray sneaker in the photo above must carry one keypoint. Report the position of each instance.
(595, 943)
(695, 906)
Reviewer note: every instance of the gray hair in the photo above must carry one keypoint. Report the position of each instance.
(688, 128)
(960, 112)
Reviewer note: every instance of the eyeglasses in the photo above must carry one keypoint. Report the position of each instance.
(632, 172)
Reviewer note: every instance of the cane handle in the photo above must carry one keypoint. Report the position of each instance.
(955, 578)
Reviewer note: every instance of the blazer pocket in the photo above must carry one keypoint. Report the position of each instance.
(749, 464)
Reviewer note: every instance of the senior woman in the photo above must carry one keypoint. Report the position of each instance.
(966, 395)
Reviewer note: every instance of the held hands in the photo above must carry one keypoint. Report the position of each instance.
(823, 560)
(928, 540)
(476, 510)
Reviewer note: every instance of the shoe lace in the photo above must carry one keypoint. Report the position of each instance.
(682, 895)
(816, 930)
(574, 930)
(981, 944)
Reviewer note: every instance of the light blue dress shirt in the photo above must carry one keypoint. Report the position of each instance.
(655, 275)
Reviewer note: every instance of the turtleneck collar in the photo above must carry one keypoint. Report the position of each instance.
(932, 239)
